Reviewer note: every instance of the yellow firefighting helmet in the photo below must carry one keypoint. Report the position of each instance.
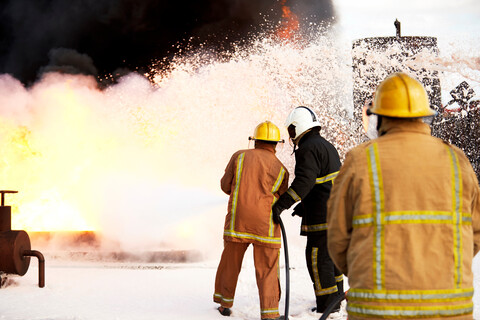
(401, 96)
(266, 131)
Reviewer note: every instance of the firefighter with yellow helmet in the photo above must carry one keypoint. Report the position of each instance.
(404, 215)
(254, 179)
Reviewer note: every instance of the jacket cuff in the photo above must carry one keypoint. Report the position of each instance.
(286, 200)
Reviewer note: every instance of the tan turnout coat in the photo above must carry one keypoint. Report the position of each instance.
(404, 226)
(254, 179)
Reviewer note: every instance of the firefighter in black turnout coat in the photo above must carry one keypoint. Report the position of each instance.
(316, 165)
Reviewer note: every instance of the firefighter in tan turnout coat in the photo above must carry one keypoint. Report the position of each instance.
(404, 215)
(254, 179)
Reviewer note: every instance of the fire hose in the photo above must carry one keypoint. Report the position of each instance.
(287, 268)
(329, 308)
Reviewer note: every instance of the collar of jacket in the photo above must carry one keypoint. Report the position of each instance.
(392, 125)
(307, 135)
(265, 146)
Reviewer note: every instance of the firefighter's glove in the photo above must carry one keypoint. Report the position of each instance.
(298, 210)
(276, 211)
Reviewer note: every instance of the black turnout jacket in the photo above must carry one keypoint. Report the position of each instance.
(316, 165)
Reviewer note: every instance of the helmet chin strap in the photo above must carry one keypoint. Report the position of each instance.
(294, 145)
(292, 133)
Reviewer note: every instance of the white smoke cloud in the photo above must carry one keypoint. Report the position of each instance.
(140, 161)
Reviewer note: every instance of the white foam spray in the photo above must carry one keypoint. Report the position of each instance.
(140, 161)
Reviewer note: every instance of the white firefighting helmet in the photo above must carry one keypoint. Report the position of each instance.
(302, 118)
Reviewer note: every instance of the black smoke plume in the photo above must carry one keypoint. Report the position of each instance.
(127, 34)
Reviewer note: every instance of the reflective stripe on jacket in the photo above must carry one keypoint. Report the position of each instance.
(254, 179)
(404, 225)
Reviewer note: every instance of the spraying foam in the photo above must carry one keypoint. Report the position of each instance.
(140, 161)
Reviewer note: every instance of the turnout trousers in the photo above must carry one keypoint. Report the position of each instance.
(266, 261)
(326, 278)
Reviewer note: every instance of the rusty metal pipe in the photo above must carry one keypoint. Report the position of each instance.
(2, 192)
(41, 265)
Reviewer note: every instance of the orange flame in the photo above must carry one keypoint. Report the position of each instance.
(289, 26)
(82, 158)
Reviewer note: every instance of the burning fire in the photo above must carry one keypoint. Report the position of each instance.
(45, 161)
(139, 158)
(84, 159)
(51, 213)
(289, 26)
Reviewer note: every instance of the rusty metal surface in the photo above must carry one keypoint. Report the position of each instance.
(5, 213)
(41, 265)
(12, 246)
(15, 246)
(5, 218)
